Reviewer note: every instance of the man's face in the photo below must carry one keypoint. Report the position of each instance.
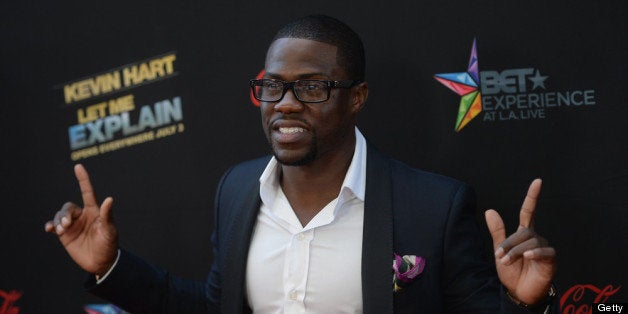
(300, 133)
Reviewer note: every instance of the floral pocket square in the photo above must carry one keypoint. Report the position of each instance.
(406, 269)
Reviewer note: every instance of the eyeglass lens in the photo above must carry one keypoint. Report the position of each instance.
(305, 90)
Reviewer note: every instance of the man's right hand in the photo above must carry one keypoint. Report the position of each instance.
(88, 233)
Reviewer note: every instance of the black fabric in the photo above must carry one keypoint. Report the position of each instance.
(407, 211)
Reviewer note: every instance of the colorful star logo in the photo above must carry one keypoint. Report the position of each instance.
(465, 84)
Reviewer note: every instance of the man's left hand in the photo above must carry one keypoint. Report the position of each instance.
(525, 262)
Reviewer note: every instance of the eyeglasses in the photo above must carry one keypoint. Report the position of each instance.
(310, 91)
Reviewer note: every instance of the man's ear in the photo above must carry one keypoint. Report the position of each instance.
(358, 97)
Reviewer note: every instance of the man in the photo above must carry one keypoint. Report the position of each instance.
(315, 228)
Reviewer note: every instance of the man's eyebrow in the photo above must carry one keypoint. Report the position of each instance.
(271, 75)
(300, 76)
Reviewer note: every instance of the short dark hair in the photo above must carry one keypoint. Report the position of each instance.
(331, 31)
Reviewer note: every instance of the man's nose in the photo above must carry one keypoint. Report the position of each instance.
(289, 103)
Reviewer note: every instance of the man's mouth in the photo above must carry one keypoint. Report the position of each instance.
(289, 134)
(291, 130)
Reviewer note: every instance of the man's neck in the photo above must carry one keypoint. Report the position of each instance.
(310, 187)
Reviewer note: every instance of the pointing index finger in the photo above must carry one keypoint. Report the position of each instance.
(526, 215)
(87, 191)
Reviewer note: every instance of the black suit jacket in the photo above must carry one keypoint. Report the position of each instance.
(406, 211)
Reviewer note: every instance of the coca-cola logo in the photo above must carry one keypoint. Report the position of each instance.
(578, 299)
(7, 299)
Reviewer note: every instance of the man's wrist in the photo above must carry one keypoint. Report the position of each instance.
(538, 307)
(100, 279)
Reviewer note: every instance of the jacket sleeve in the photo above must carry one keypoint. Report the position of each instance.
(140, 287)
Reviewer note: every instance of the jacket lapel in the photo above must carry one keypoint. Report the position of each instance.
(377, 239)
(233, 280)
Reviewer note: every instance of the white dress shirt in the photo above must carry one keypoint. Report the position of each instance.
(311, 269)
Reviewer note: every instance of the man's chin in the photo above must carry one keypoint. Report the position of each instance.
(295, 160)
(295, 155)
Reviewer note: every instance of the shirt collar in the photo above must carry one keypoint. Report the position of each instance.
(354, 183)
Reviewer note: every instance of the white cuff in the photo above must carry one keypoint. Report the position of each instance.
(101, 279)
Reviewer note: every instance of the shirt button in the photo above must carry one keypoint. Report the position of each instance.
(293, 295)
(300, 237)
